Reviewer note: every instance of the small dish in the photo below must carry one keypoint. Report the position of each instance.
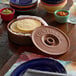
(61, 16)
(51, 65)
(7, 14)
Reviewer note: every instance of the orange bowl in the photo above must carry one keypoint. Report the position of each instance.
(53, 7)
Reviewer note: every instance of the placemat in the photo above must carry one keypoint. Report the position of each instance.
(69, 65)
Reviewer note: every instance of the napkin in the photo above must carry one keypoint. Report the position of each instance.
(4, 1)
(72, 21)
(31, 72)
(69, 65)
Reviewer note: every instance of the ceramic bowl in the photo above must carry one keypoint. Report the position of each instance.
(23, 2)
(61, 19)
(53, 1)
(50, 7)
(7, 17)
(51, 65)
(21, 38)
(24, 8)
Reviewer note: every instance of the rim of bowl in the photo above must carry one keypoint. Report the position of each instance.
(25, 9)
(60, 1)
(13, 11)
(23, 6)
(8, 26)
(55, 13)
(65, 1)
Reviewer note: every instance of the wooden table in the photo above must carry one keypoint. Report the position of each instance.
(9, 52)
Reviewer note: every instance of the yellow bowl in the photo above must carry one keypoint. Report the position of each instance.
(53, 7)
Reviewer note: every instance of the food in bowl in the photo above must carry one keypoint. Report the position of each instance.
(20, 30)
(62, 13)
(7, 11)
(25, 25)
(7, 14)
(61, 16)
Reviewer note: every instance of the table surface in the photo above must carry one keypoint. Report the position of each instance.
(9, 52)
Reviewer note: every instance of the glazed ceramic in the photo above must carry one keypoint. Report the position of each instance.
(50, 65)
(22, 2)
(53, 7)
(53, 1)
(24, 8)
(8, 17)
(61, 19)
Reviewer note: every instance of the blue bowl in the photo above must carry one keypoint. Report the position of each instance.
(42, 64)
(23, 2)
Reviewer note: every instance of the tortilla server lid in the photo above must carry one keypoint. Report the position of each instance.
(50, 40)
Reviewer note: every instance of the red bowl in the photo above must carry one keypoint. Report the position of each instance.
(7, 17)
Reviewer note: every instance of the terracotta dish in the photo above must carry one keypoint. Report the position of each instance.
(20, 30)
(50, 40)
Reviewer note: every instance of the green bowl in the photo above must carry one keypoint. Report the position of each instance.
(61, 19)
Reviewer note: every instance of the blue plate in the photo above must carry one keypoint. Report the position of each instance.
(43, 64)
(23, 2)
